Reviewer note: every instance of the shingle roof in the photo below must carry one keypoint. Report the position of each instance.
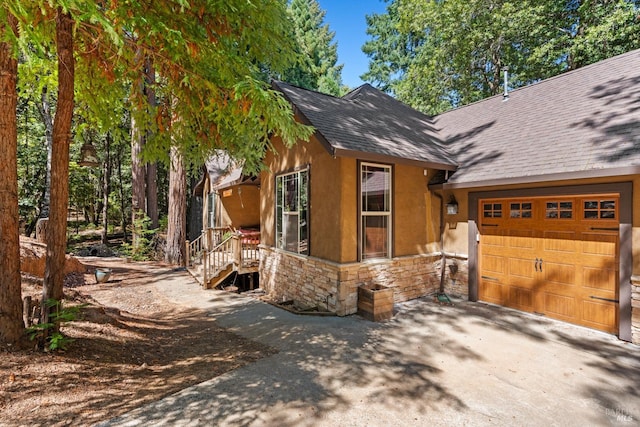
(224, 172)
(368, 122)
(582, 123)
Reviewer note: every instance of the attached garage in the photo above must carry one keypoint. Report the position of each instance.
(555, 252)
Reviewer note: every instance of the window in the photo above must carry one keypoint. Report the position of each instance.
(211, 210)
(599, 209)
(492, 210)
(520, 210)
(559, 210)
(292, 212)
(375, 211)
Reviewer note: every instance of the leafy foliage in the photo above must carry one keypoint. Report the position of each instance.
(316, 67)
(49, 334)
(435, 55)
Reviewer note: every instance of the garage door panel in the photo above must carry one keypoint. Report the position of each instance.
(599, 278)
(603, 245)
(564, 274)
(560, 241)
(560, 306)
(493, 240)
(522, 239)
(520, 298)
(600, 315)
(522, 268)
(494, 264)
(492, 291)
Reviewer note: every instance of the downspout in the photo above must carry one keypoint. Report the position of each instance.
(442, 252)
(441, 296)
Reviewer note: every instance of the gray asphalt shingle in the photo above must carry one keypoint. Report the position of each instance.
(582, 122)
(369, 122)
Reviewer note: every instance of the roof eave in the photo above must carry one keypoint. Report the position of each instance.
(535, 179)
(384, 158)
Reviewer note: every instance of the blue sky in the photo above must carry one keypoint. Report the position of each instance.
(347, 19)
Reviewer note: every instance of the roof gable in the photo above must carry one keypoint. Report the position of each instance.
(369, 123)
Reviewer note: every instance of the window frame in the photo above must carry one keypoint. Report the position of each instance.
(303, 250)
(388, 213)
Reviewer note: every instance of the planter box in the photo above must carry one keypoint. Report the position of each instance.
(375, 302)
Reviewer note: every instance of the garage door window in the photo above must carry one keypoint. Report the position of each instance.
(559, 210)
(520, 210)
(492, 210)
(599, 209)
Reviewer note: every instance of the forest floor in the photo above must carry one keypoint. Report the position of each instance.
(130, 346)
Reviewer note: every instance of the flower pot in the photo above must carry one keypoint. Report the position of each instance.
(102, 275)
(375, 302)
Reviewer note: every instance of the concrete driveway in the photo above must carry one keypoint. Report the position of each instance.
(467, 364)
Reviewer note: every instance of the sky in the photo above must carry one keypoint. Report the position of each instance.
(347, 19)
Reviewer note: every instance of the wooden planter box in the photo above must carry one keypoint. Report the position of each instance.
(375, 302)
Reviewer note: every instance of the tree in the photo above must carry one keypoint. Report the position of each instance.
(175, 252)
(57, 226)
(316, 68)
(390, 50)
(463, 45)
(11, 324)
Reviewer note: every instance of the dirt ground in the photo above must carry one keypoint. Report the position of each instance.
(131, 346)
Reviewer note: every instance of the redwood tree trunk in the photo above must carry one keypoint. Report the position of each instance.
(11, 323)
(45, 112)
(152, 168)
(138, 181)
(57, 227)
(177, 230)
(106, 189)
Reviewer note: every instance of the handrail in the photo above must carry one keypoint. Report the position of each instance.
(239, 249)
(194, 249)
(218, 258)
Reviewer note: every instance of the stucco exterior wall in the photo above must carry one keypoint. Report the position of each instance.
(413, 227)
(241, 206)
(326, 193)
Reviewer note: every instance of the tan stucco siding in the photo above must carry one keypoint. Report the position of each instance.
(241, 206)
(325, 196)
(413, 227)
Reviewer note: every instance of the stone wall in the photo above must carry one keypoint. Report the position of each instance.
(456, 275)
(315, 282)
(635, 309)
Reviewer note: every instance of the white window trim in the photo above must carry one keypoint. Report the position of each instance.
(362, 213)
(278, 232)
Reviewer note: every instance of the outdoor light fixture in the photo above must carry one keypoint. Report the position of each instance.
(88, 156)
(452, 206)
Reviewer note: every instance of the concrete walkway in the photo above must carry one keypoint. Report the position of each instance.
(467, 364)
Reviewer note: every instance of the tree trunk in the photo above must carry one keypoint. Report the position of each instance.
(121, 191)
(11, 322)
(106, 189)
(138, 181)
(45, 112)
(57, 228)
(177, 230)
(152, 168)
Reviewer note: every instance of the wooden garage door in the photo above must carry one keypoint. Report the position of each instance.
(556, 256)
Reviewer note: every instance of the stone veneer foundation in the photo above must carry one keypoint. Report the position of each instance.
(635, 309)
(315, 282)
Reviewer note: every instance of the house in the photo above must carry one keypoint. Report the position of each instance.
(230, 223)
(528, 198)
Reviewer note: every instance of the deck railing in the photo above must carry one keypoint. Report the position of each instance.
(209, 238)
(239, 251)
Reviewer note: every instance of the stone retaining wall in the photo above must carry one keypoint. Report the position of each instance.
(314, 282)
(635, 309)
